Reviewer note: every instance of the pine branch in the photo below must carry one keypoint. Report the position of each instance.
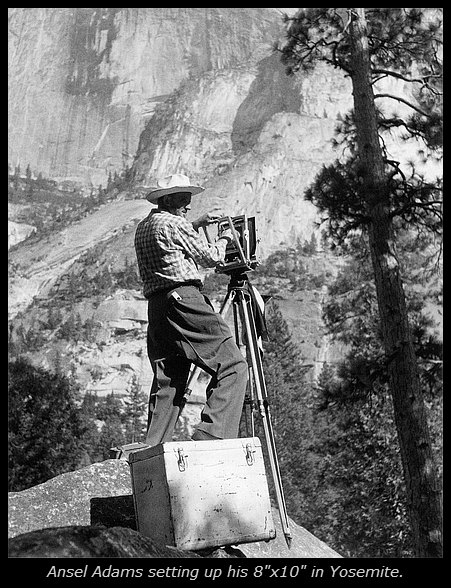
(387, 124)
(424, 81)
(399, 99)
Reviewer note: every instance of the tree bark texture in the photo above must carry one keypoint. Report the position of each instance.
(420, 472)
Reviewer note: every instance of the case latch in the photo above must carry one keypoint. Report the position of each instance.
(249, 454)
(181, 459)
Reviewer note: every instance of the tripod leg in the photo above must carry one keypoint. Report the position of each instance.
(251, 400)
(247, 425)
(262, 399)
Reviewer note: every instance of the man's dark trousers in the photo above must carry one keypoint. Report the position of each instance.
(184, 329)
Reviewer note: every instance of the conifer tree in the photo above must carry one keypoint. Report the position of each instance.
(110, 411)
(91, 436)
(373, 193)
(355, 394)
(111, 435)
(135, 412)
(44, 424)
(288, 391)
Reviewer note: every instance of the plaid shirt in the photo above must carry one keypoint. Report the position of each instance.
(169, 251)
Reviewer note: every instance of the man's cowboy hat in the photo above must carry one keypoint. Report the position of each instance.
(171, 185)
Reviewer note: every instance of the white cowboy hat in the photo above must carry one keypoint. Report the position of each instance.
(171, 185)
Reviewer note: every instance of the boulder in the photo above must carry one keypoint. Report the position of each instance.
(90, 511)
(89, 541)
(68, 499)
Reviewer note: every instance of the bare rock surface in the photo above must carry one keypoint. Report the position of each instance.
(89, 513)
(66, 499)
(84, 80)
(90, 541)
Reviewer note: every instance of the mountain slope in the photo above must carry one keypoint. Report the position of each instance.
(37, 268)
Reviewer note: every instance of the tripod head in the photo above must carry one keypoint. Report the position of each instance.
(238, 278)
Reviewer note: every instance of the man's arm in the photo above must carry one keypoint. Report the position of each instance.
(205, 254)
(209, 218)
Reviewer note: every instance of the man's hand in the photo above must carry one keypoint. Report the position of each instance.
(209, 218)
(226, 234)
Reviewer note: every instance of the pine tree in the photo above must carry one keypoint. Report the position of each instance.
(45, 428)
(288, 394)
(355, 397)
(371, 190)
(112, 434)
(135, 412)
(29, 182)
(352, 477)
(91, 435)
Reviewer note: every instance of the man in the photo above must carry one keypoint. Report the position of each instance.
(183, 327)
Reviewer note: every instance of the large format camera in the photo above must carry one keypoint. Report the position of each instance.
(241, 252)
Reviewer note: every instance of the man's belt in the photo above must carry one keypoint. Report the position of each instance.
(196, 283)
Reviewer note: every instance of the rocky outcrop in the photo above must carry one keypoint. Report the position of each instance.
(89, 513)
(99, 542)
(83, 81)
(66, 499)
(17, 232)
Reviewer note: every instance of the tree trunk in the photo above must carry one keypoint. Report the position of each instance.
(420, 472)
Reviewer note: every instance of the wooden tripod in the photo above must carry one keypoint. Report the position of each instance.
(238, 294)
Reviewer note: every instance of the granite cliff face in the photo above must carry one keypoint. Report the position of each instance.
(83, 81)
(93, 91)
